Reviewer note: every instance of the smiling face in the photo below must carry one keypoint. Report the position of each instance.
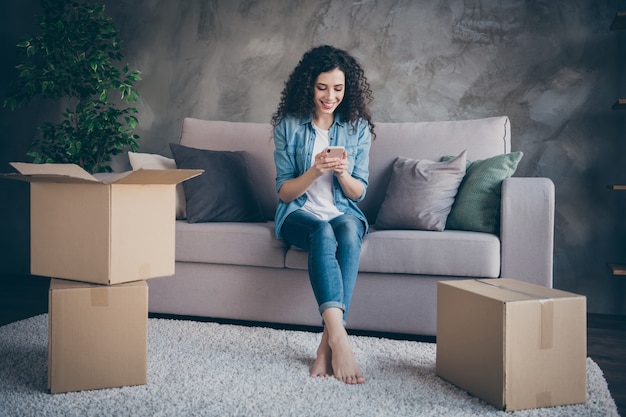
(328, 92)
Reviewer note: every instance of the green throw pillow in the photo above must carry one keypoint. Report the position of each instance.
(477, 204)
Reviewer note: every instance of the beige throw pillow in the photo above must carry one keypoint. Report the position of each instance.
(154, 161)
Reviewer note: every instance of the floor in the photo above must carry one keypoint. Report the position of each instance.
(606, 345)
(25, 296)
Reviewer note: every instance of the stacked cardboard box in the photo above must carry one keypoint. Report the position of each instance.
(97, 335)
(513, 344)
(99, 240)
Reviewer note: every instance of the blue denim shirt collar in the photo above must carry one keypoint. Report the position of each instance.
(309, 119)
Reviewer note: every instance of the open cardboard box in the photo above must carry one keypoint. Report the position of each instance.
(116, 229)
(513, 344)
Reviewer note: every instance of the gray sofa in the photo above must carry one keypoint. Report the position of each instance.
(241, 271)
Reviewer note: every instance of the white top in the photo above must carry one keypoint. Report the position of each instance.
(320, 198)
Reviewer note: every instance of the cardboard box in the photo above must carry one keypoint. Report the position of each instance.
(109, 231)
(97, 335)
(513, 344)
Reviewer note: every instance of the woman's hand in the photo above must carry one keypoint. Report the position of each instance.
(351, 187)
(341, 168)
(324, 163)
(295, 187)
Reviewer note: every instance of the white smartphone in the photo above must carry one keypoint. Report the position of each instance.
(335, 151)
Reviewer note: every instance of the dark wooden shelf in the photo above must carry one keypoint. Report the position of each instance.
(619, 21)
(618, 269)
(620, 104)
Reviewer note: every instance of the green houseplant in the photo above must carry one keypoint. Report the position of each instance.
(73, 61)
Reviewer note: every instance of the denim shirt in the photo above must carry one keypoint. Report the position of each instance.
(294, 139)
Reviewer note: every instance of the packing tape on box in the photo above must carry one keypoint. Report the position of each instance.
(547, 323)
(544, 399)
(100, 297)
(547, 312)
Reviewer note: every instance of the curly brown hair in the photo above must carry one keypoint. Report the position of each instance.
(297, 96)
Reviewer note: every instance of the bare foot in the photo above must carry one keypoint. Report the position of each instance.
(343, 361)
(322, 367)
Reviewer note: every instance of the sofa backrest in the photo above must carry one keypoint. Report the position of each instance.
(483, 138)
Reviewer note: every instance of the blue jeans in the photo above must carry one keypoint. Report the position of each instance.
(334, 248)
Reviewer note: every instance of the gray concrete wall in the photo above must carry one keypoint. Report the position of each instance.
(553, 67)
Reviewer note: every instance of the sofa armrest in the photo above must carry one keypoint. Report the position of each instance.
(527, 230)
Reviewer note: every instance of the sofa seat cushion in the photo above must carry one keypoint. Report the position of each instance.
(233, 243)
(448, 253)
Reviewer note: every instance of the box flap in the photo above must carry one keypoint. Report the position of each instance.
(50, 173)
(509, 290)
(154, 176)
(516, 288)
(72, 173)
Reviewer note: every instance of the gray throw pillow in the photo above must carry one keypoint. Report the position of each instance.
(223, 193)
(420, 193)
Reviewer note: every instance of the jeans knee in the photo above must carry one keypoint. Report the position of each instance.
(323, 233)
(350, 229)
(349, 232)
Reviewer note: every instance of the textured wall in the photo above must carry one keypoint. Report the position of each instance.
(552, 67)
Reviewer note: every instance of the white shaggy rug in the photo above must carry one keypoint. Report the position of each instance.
(209, 369)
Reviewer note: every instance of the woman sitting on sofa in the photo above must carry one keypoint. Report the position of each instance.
(324, 103)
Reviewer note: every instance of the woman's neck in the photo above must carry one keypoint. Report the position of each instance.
(324, 122)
